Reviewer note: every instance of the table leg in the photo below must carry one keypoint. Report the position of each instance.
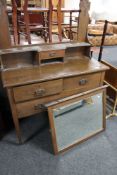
(115, 105)
(50, 25)
(27, 27)
(15, 26)
(14, 115)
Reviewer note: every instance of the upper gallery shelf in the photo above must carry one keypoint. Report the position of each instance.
(45, 62)
(43, 47)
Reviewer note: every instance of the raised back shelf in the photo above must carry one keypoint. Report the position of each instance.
(37, 55)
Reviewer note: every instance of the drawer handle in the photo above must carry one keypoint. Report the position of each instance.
(52, 54)
(39, 107)
(83, 82)
(39, 92)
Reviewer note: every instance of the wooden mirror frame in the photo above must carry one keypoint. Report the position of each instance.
(67, 101)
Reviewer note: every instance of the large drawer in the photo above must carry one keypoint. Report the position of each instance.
(84, 82)
(37, 90)
(32, 107)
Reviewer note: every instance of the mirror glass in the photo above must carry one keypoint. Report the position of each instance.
(76, 121)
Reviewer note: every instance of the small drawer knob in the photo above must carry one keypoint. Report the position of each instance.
(39, 107)
(83, 82)
(52, 54)
(39, 92)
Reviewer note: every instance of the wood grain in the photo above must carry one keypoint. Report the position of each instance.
(37, 90)
(5, 41)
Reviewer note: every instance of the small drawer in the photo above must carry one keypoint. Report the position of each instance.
(84, 82)
(51, 54)
(37, 90)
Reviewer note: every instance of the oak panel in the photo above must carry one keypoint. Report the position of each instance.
(37, 90)
(83, 82)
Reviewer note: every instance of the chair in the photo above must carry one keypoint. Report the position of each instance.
(68, 29)
(71, 28)
(21, 21)
(110, 78)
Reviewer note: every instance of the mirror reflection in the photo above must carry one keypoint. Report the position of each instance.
(78, 120)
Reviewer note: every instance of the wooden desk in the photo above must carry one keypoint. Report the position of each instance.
(39, 74)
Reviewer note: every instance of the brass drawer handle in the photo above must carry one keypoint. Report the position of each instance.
(52, 54)
(39, 92)
(83, 82)
(39, 107)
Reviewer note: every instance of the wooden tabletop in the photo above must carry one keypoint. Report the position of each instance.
(72, 67)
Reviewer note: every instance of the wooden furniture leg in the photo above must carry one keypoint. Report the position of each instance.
(15, 116)
(59, 18)
(70, 29)
(115, 105)
(15, 24)
(5, 40)
(50, 21)
(114, 113)
(27, 28)
(45, 25)
(83, 20)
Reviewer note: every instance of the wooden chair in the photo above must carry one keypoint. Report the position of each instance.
(21, 22)
(69, 27)
(111, 73)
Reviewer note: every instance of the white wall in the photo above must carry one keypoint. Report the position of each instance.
(100, 9)
(104, 9)
(71, 4)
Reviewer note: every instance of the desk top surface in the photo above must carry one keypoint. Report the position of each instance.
(71, 67)
(75, 63)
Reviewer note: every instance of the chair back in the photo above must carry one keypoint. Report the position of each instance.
(20, 4)
(103, 37)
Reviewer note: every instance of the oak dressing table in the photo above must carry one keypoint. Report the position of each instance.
(36, 75)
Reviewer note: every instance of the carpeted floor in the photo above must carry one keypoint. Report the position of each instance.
(97, 156)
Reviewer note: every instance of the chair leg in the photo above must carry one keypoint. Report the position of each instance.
(27, 27)
(45, 27)
(15, 27)
(18, 26)
(50, 25)
(59, 26)
(50, 21)
(70, 30)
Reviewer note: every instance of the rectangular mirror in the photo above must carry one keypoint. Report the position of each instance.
(75, 120)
